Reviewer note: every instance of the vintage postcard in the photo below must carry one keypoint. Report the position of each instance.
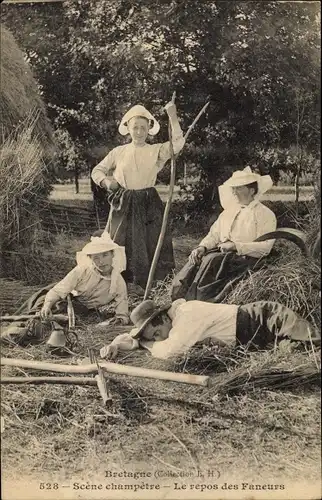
(160, 256)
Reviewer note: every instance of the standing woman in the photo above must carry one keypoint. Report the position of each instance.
(129, 173)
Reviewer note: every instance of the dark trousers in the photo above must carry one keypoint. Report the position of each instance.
(262, 323)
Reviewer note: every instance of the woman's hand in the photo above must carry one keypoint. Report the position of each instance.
(110, 185)
(196, 255)
(228, 246)
(171, 109)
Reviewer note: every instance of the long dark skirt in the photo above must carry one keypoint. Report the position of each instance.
(135, 222)
(213, 279)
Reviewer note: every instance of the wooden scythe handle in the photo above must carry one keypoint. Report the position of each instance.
(166, 212)
(169, 201)
(116, 368)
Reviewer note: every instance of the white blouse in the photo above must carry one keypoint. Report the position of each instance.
(243, 226)
(192, 322)
(136, 167)
(91, 288)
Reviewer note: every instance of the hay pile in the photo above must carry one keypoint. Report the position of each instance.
(292, 280)
(19, 94)
(289, 277)
(26, 154)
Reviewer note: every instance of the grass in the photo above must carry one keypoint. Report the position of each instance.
(258, 421)
(250, 435)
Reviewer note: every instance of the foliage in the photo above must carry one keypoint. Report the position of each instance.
(258, 62)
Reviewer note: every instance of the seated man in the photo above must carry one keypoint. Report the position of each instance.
(171, 331)
(230, 247)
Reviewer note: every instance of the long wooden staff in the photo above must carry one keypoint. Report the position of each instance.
(109, 367)
(169, 201)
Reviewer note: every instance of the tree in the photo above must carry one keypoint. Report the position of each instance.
(248, 57)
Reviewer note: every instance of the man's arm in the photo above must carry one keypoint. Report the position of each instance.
(61, 290)
(123, 342)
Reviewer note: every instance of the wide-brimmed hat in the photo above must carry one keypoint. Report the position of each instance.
(143, 314)
(242, 178)
(139, 110)
(99, 244)
(102, 244)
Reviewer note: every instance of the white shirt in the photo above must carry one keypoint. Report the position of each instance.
(136, 167)
(91, 288)
(192, 322)
(242, 226)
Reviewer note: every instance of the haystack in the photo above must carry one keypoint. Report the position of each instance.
(26, 153)
(20, 97)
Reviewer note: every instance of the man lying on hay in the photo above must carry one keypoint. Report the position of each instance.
(230, 248)
(172, 330)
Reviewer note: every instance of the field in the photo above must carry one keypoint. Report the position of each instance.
(248, 435)
(67, 192)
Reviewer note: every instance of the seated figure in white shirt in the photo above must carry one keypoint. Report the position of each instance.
(96, 282)
(172, 330)
(129, 174)
(230, 248)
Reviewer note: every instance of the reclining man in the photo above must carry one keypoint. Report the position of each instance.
(230, 247)
(94, 284)
(171, 331)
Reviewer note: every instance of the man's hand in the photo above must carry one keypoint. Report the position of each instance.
(171, 109)
(109, 351)
(228, 246)
(196, 255)
(45, 312)
(110, 185)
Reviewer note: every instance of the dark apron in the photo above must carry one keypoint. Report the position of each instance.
(213, 279)
(135, 222)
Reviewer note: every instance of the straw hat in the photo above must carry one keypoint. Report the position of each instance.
(242, 178)
(138, 110)
(143, 314)
(102, 244)
(99, 244)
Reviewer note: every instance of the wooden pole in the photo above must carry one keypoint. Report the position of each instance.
(25, 317)
(132, 371)
(169, 201)
(165, 215)
(49, 380)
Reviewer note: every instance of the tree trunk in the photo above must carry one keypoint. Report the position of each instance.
(297, 188)
(76, 179)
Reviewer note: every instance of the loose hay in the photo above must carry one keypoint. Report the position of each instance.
(292, 280)
(26, 153)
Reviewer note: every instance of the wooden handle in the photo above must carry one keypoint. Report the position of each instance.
(102, 387)
(109, 367)
(49, 380)
(70, 313)
(25, 317)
